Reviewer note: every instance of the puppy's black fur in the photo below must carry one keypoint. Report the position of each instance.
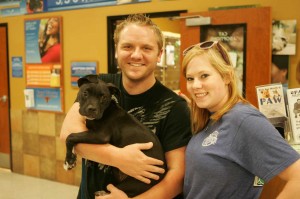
(107, 122)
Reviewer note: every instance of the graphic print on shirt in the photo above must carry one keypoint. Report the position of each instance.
(211, 139)
(151, 116)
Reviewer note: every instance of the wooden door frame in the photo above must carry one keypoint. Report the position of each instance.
(6, 154)
(258, 43)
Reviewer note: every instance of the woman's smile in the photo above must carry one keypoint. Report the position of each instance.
(205, 84)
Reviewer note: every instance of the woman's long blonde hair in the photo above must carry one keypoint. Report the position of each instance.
(201, 116)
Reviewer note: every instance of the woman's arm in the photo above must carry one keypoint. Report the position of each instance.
(130, 159)
(292, 177)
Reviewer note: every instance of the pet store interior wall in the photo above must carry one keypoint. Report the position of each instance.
(36, 148)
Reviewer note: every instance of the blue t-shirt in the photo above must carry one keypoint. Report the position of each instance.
(223, 159)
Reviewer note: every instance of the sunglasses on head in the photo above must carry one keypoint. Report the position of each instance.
(208, 45)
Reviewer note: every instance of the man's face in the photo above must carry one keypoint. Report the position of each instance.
(137, 52)
(277, 75)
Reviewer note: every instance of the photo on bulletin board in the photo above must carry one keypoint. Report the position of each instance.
(284, 37)
(233, 38)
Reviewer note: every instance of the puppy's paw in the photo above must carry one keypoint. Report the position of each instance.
(70, 162)
(68, 166)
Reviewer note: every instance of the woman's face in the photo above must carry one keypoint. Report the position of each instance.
(205, 85)
(53, 26)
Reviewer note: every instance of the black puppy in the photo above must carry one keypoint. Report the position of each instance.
(107, 122)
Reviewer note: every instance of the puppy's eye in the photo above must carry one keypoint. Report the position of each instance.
(85, 94)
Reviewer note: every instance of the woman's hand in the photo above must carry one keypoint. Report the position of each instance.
(115, 193)
(133, 162)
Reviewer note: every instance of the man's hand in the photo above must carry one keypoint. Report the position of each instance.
(115, 193)
(133, 162)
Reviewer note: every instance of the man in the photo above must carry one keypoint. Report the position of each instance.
(139, 45)
(279, 74)
(279, 70)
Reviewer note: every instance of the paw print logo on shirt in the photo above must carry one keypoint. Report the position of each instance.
(211, 139)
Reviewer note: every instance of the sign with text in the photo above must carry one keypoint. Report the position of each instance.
(53, 5)
(271, 100)
(293, 96)
(48, 99)
(80, 69)
(17, 67)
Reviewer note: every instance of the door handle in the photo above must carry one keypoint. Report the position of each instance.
(3, 98)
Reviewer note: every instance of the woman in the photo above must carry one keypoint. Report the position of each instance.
(50, 49)
(233, 142)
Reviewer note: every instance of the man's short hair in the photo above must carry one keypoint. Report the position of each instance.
(281, 61)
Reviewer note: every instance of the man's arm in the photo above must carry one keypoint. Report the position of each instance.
(130, 159)
(172, 184)
(168, 188)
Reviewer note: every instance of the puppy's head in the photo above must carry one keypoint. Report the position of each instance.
(94, 96)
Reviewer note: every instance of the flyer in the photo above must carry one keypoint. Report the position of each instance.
(271, 100)
(293, 96)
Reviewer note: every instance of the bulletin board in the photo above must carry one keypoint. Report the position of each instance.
(43, 64)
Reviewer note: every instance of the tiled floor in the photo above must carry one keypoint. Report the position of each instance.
(15, 186)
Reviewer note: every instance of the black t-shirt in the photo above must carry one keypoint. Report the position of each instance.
(160, 109)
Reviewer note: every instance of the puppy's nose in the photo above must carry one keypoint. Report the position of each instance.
(91, 109)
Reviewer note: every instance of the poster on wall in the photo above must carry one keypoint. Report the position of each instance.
(43, 62)
(44, 99)
(46, 75)
(75, 4)
(80, 69)
(47, 99)
(51, 5)
(232, 38)
(284, 37)
(17, 66)
(15, 8)
(21, 7)
(43, 40)
(33, 6)
(9, 3)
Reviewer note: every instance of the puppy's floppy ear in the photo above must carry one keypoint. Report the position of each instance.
(87, 79)
(113, 89)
